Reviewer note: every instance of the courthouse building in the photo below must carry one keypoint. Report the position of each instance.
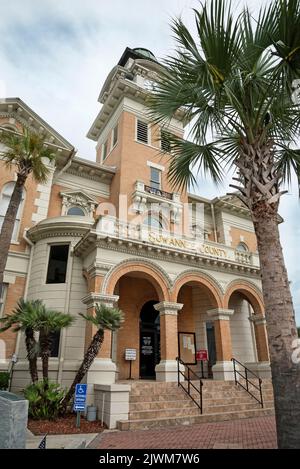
(182, 268)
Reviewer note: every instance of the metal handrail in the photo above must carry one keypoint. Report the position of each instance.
(190, 383)
(245, 376)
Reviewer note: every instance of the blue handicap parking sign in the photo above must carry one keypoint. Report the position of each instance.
(80, 397)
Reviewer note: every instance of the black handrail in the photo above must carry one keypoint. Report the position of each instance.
(247, 371)
(190, 383)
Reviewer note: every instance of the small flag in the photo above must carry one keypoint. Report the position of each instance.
(42, 444)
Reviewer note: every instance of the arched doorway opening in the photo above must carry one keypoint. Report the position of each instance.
(149, 340)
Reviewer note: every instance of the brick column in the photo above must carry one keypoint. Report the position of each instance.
(103, 370)
(166, 370)
(223, 369)
(262, 367)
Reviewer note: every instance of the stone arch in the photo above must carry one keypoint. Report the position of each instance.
(145, 269)
(249, 290)
(213, 288)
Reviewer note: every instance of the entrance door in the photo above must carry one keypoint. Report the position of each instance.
(149, 340)
(211, 346)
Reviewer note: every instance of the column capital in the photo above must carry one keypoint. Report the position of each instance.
(258, 319)
(95, 298)
(167, 307)
(220, 314)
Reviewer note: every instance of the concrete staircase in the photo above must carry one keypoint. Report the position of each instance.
(155, 404)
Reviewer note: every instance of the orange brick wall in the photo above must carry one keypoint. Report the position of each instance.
(249, 238)
(134, 293)
(14, 293)
(186, 321)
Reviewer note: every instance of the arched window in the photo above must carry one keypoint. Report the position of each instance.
(76, 211)
(5, 196)
(153, 221)
(242, 247)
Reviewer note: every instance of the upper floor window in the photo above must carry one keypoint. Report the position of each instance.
(5, 196)
(57, 264)
(155, 178)
(142, 132)
(164, 141)
(242, 247)
(104, 150)
(153, 221)
(3, 293)
(115, 136)
(76, 211)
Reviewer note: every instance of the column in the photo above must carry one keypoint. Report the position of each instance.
(262, 367)
(103, 370)
(223, 369)
(166, 370)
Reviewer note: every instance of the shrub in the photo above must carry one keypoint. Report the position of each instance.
(44, 400)
(4, 380)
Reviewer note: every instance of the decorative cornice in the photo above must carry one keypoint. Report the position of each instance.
(99, 298)
(168, 308)
(258, 319)
(218, 314)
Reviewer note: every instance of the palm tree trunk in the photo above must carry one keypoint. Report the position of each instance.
(31, 356)
(8, 224)
(281, 325)
(45, 343)
(88, 359)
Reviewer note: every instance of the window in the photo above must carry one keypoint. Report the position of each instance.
(3, 293)
(76, 211)
(57, 265)
(242, 247)
(155, 178)
(55, 337)
(153, 221)
(5, 196)
(164, 141)
(104, 151)
(142, 131)
(115, 136)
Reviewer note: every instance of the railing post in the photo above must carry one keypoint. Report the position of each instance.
(234, 371)
(189, 381)
(261, 395)
(246, 375)
(178, 375)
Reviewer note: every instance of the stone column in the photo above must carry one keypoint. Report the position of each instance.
(223, 369)
(103, 370)
(262, 368)
(166, 370)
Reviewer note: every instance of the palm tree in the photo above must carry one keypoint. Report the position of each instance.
(22, 319)
(28, 154)
(47, 323)
(105, 318)
(236, 84)
(33, 316)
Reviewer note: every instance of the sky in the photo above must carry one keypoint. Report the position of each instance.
(55, 56)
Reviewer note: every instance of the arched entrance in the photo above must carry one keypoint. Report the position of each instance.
(149, 340)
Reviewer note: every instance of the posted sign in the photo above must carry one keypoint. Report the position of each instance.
(202, 355)
(80, 397)
(130, 354)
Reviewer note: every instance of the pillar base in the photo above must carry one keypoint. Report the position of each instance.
(262, 369)
(223, 371)
(166, 370)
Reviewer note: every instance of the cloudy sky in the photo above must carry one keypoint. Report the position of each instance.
(56, 55)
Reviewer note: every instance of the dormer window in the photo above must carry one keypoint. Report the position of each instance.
(142, 132)
(78, 203)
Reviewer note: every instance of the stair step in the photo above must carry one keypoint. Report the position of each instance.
(143, 424)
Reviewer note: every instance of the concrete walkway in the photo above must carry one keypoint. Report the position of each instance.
(235, 434)
(72, 441)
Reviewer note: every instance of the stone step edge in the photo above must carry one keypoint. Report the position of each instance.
(267, 410)
(250, 402)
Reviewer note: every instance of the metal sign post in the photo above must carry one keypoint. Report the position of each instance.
(79, 401)
(130, 355)
(202, 356)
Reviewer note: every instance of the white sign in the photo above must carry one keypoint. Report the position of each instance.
(130, 354)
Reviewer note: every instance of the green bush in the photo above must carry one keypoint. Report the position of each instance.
(44, 400)
(4, 380)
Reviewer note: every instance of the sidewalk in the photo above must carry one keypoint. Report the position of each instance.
(236, 434)
(60, 441)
